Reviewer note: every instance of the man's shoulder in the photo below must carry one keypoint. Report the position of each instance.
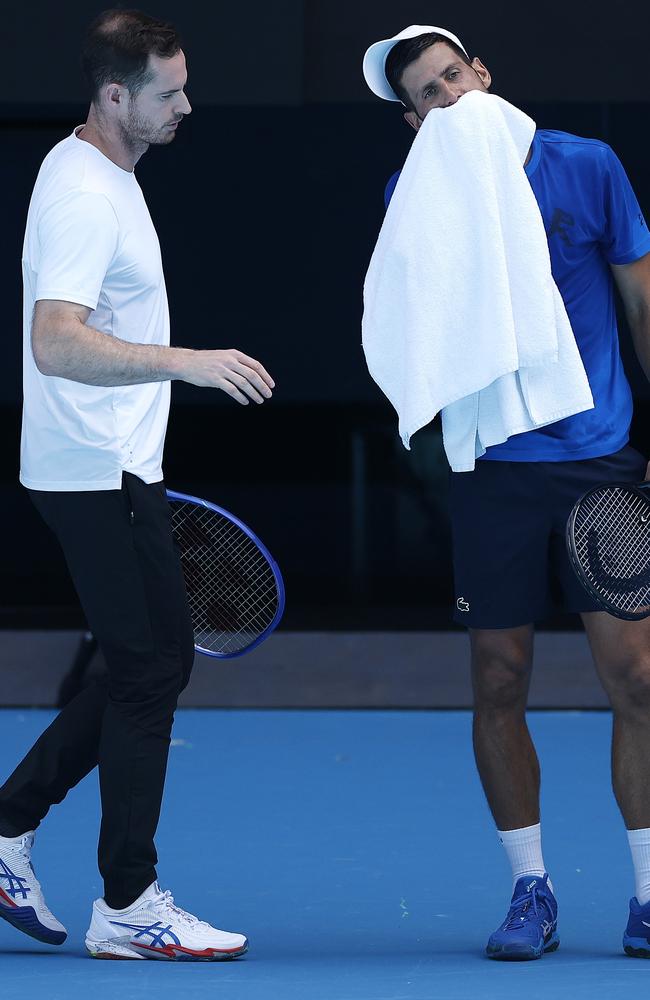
(75, 165)
(69, 182)
(569, 145)
(62, 174)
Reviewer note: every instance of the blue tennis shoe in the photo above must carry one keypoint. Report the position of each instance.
(636, 939)
(530, 929)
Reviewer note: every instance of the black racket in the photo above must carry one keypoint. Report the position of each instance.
(608, 539)
(234, 586)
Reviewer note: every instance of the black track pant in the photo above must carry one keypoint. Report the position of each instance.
(121, 555)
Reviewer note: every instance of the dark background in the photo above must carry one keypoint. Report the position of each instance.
(267, 206)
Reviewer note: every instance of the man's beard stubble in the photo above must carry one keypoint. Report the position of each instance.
(139, 131)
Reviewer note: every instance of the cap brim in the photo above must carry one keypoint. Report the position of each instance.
(374, 63)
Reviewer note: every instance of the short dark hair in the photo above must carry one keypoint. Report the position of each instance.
(117, 46)
(406, 52)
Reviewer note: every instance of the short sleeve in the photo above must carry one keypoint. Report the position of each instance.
(77, 240)
(625, 236)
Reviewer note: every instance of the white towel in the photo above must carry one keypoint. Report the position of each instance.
(461, 312)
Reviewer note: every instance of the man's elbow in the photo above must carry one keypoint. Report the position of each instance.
(43, 353)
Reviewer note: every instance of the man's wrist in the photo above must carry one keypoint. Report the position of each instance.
(176, 362)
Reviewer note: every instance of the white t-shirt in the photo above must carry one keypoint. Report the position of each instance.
(90, 240)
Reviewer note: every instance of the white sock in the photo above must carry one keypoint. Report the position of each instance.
(640, 847)
(524, 850)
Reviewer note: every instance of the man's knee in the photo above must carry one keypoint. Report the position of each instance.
(143, 674)
(501, 668)
(628, 684)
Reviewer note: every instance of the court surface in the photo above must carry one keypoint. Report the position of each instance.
(355, 850)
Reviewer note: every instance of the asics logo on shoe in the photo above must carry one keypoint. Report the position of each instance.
(645, 923)
(16, 885)
(547, 927)
(156, 933)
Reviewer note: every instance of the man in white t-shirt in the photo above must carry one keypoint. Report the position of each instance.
(97, 372)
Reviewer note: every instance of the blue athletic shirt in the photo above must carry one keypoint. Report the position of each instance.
(592, 219)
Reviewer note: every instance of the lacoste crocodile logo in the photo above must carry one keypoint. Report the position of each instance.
(462, 604)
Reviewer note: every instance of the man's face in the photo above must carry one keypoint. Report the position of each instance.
(152, 115)
(439, 78)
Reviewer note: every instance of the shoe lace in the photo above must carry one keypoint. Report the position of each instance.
(166, 902)
(524, 906)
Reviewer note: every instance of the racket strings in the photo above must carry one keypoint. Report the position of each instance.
(622, 553)
(612, 538)
(226, 624)
(231, 586)
(620, 534)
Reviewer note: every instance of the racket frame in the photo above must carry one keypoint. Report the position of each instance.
(279, 582)
(641, 490)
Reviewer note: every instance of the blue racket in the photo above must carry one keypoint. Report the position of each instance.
(234, 586)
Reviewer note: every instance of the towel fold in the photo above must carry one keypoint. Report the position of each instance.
(461, 312)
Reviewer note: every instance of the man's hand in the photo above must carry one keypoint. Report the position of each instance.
(235, 373)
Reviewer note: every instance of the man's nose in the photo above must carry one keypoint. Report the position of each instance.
(450, 96)
(186, 107)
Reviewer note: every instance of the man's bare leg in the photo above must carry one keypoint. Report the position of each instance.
(505, 756)
(621, 651)
(507, 763)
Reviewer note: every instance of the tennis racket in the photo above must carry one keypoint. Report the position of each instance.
(234, 586)
(608, 539)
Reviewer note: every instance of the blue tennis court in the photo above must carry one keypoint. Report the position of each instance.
(355, 850)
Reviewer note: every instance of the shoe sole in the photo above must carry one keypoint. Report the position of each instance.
(515, 953)
(636, 947)
(108, 950)
(24, 919)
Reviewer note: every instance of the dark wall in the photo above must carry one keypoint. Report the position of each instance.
(261, 53)
(558, 51)
(238, 53)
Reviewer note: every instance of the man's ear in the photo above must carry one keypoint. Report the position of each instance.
(111, 96)
(482, 72)
(413, 119)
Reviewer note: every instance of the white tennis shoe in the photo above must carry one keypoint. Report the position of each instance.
(154, 927)
(21, 897)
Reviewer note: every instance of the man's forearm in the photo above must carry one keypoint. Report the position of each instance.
(639, 322)
(633, 282)
(83, 354)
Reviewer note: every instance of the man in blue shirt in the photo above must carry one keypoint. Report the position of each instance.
(509, 514)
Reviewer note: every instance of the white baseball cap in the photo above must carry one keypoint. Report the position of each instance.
(374, 61)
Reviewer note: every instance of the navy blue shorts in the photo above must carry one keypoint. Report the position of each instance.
(508, 526)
